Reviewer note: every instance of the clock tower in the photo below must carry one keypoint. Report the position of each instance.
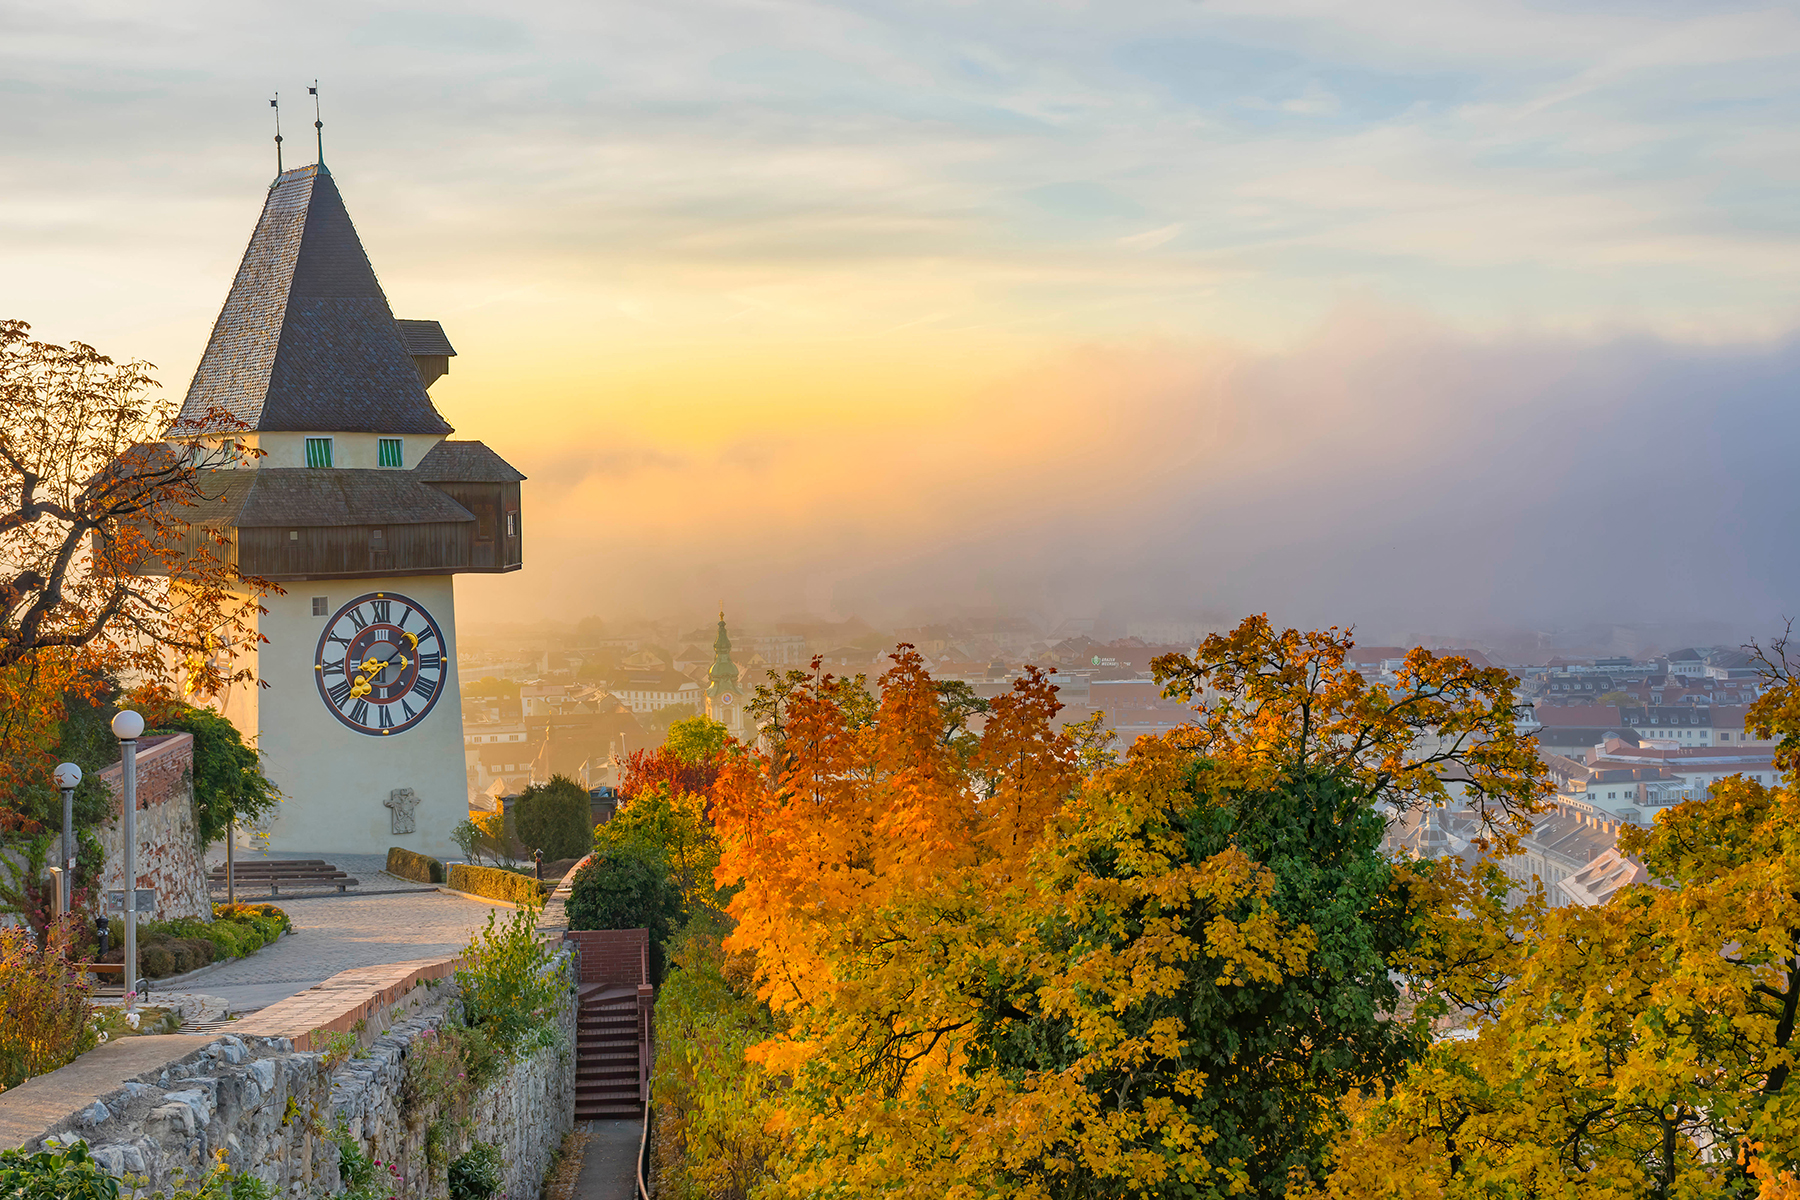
(353, 498)
(724, 696)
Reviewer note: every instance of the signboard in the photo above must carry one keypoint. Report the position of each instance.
(146, 900)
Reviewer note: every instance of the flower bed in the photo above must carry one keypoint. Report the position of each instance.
(175, 947)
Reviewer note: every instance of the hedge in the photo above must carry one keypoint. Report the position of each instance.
(407, 865)
(496, 884)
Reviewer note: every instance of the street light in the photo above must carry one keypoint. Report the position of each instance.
(126, 727)
(68, 776)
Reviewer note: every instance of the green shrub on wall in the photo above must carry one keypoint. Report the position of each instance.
(478, 1174)
(497, 884)
(422, 868)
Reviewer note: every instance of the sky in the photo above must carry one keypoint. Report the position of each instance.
(1413, 316)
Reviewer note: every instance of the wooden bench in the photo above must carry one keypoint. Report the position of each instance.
(302, 872)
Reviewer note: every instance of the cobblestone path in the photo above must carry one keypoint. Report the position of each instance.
(340, 932)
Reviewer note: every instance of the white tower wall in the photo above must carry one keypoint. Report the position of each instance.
(333, 779)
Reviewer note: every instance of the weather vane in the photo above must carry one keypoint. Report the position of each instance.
(276, 105)
(318, 124)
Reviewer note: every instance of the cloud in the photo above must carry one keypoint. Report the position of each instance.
(1388, 471)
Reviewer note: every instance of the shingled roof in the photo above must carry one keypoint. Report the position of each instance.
(465, 462)
(425, 337)
(306, 340)
(302, 496)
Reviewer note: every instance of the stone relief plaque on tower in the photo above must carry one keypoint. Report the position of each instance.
(400, 804)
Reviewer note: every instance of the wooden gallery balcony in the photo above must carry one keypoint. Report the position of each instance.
(456, 512)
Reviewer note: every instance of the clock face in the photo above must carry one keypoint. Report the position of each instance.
(380, 663)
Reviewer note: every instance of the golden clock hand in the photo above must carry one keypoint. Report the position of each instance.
(412, 639)
(360, 688)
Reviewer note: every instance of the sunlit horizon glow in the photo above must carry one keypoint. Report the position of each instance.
(1414, 316)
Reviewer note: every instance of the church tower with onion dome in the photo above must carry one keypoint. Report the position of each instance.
(724, 695)
(353, 498)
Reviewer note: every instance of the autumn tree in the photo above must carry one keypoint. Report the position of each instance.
(667, 769)
(1642, 1048)
(995, 974)
(103, 575)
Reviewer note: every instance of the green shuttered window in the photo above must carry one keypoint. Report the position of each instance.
(387, 452)
(318, 452)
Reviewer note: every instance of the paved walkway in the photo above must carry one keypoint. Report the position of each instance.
(28, 1109)
(336, 933)
(609, 1165)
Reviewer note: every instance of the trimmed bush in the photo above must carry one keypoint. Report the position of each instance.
(421, 868)
(496, 884)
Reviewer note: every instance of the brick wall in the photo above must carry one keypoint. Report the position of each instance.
(614, 956)
(167, 858)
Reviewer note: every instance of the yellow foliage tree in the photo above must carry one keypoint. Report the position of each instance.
(1644, 1048)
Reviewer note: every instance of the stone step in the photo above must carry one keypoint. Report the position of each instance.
(607, 1075)
(602, 1112)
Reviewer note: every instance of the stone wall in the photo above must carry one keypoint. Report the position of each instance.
(167, 857)
(281, 1113)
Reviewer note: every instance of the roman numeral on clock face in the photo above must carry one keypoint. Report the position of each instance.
(425, 688)
(359, 712)
(381, 607)
(339, 692)
(357, 619)
(431, 662)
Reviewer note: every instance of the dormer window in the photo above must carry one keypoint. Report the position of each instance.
(387, 452)
(318, 452)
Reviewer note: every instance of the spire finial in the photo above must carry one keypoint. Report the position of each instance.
(276, 105)
(318, 122)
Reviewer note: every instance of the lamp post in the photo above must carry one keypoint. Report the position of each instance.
(126, 727)
(68, 775)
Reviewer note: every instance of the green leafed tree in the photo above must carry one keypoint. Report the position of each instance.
(554, 817)
(627, 886)
(229, 784)
(696, 740)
